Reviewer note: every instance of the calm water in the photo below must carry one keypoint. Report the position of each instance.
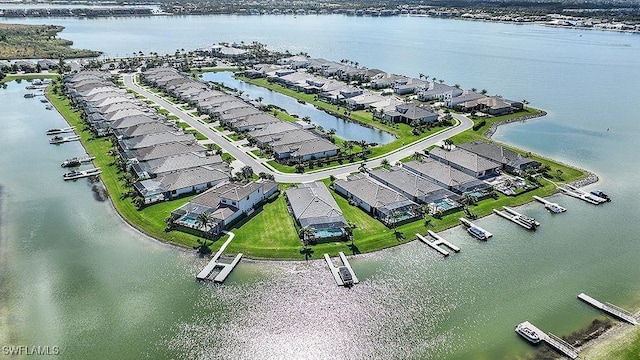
(73, 276)
(344, 129)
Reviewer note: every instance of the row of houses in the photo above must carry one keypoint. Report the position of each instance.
(336, 83)
(286, 140)
(166, 162)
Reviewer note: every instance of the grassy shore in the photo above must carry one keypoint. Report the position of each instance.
(150, 220)
(12, 77)
(37, 42)
(270, 231)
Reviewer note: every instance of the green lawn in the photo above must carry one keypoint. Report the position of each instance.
(150, 220)
(12, 77)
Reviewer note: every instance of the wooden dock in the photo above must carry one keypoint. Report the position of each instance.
(59, 140)
(550, 205)
(437, 242)
(609, 309)
(214, 263)
(555, 342)
(335, 269)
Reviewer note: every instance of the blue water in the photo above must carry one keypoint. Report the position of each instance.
(344, 129)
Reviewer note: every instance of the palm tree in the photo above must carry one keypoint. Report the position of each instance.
(204, 220)
(385, 163)
(421, 75)
(416, 156)
(395, 214)
(484, 92)
(305, 233)
(474, 89)
(363, 167)
(440, 81)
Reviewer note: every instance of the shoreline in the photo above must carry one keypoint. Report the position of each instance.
(490, 131)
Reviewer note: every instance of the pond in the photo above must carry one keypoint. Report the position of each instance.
(344, 129)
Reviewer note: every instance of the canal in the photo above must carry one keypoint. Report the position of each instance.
(344, 129)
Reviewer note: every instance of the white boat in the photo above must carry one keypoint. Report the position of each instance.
(476, 231)
(72, 175)
(59, 131)
(528, 333)
(554, 208)
(524, 219)
(59, 139)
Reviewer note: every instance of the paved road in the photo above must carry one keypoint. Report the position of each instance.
(464, 123)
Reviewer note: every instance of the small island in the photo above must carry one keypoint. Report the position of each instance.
(37, 42)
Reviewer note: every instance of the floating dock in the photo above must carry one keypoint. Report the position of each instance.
(215, 263)
(582, 195)
(335, 270)
(476, 230)
(77, 161)
(555, 342)
(609, 309)
(553, 207)
(438, 241)
(518, 218)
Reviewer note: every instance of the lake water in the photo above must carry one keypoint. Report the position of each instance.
(344, 129)
(74, 276)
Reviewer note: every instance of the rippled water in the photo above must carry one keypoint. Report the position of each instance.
(74, 276)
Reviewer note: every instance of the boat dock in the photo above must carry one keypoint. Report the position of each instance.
(609, 309)
(555, 342)
(550, 205)
(471, 226)
(60, 131)
(336, 272)
(520, 219)
(215, 263)
(438, 241)
(582, 195)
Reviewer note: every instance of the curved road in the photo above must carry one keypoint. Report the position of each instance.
(464, 123)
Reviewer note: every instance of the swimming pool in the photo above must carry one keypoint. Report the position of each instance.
(325, 233)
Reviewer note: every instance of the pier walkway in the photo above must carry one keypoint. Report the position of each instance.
(609, 309)
(439, 240)
(335, 270)
(555, 342)
(214, 263)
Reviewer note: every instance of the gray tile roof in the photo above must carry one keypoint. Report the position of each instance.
(273, 128)
(304, 148)
(155, 139)
(180, 162)
(144, 129)
(374, 194)
(164, 150)
(133, 121)
(286, 137)
(411, 184)
(313, 204)
(184, 179)
(466, 159)
(440, 172)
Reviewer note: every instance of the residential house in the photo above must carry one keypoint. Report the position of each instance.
(178, 183)
(313, 207)
(386, 205)
(158, 167)
(410, 112)
(306, 150)
(511, 161)
(224, 203)
(467, 162)
(446, 176)
(162, 150)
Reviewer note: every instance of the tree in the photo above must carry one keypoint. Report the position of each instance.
(474, 89)
(484, 92)
(416, 156)
(363, 167)
(204, 220)
(457, 86)
(395, 215)
(247, 172)
(306, 233)
(385, 163)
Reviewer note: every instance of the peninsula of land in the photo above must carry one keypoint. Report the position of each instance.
(37, 42)
(185, 160)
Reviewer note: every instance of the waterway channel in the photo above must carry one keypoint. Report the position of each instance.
(73, 275)
(344, 129)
